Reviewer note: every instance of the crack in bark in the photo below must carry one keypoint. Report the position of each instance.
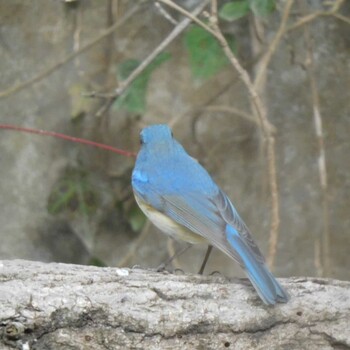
(333, 342)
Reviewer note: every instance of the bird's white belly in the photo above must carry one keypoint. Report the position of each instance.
(169, 226)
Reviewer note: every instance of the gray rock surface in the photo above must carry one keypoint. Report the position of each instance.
(61, 306)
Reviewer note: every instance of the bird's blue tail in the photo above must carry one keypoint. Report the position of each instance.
(268, 288)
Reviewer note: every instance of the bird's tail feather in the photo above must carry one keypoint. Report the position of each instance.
(268, 288)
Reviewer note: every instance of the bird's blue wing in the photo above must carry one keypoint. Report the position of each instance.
(232, 218)
(209, 218)
(206, 215)
(217, 221)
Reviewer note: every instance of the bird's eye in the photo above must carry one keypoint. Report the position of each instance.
(141, 141)
(172, 134)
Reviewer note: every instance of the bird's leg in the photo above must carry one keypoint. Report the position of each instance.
(210, 247)
(179, 252)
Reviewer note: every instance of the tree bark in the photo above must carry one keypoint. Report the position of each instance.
(61, 306)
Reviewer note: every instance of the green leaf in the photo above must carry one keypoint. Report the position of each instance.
(234, 10)
(59, 198)
(136, 219)
(134, 98)
(94, 261)
(262, 8)
(205, 53)
(73, 193)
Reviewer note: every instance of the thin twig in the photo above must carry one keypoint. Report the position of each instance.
(172, 253)
(341, 17)
(20, 86)
(306, 19)
(189, 15)
(165, 13)
(67, 138)
(243, 75)
(311, 17)
(322, 169)
(271, 155)
(317, 257)
(273, 46)
(77, 37)
(335, 5)
(275, 207)
(145, 63)
(231, 110)
(197, 111)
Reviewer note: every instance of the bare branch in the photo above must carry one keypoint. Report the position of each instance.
(271, 156)
(341, 17)
(325, 262)
(20, 86)
(312, 16)
(145, 63)
(264, 62)
(165, 13)
(232, 110)
(188, 14)
(266, 126)
(335, 5)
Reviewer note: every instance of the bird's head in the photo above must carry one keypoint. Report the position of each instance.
(155, 135)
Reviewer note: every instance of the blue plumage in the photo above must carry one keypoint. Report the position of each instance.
(181, 198)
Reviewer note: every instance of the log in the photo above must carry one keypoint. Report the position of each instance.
(62, 306)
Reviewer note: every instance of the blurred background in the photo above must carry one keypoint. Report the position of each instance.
(71, 203)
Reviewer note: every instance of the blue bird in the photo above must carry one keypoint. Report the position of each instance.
(179, 196)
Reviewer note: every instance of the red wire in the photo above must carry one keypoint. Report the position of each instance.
(68, 138)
